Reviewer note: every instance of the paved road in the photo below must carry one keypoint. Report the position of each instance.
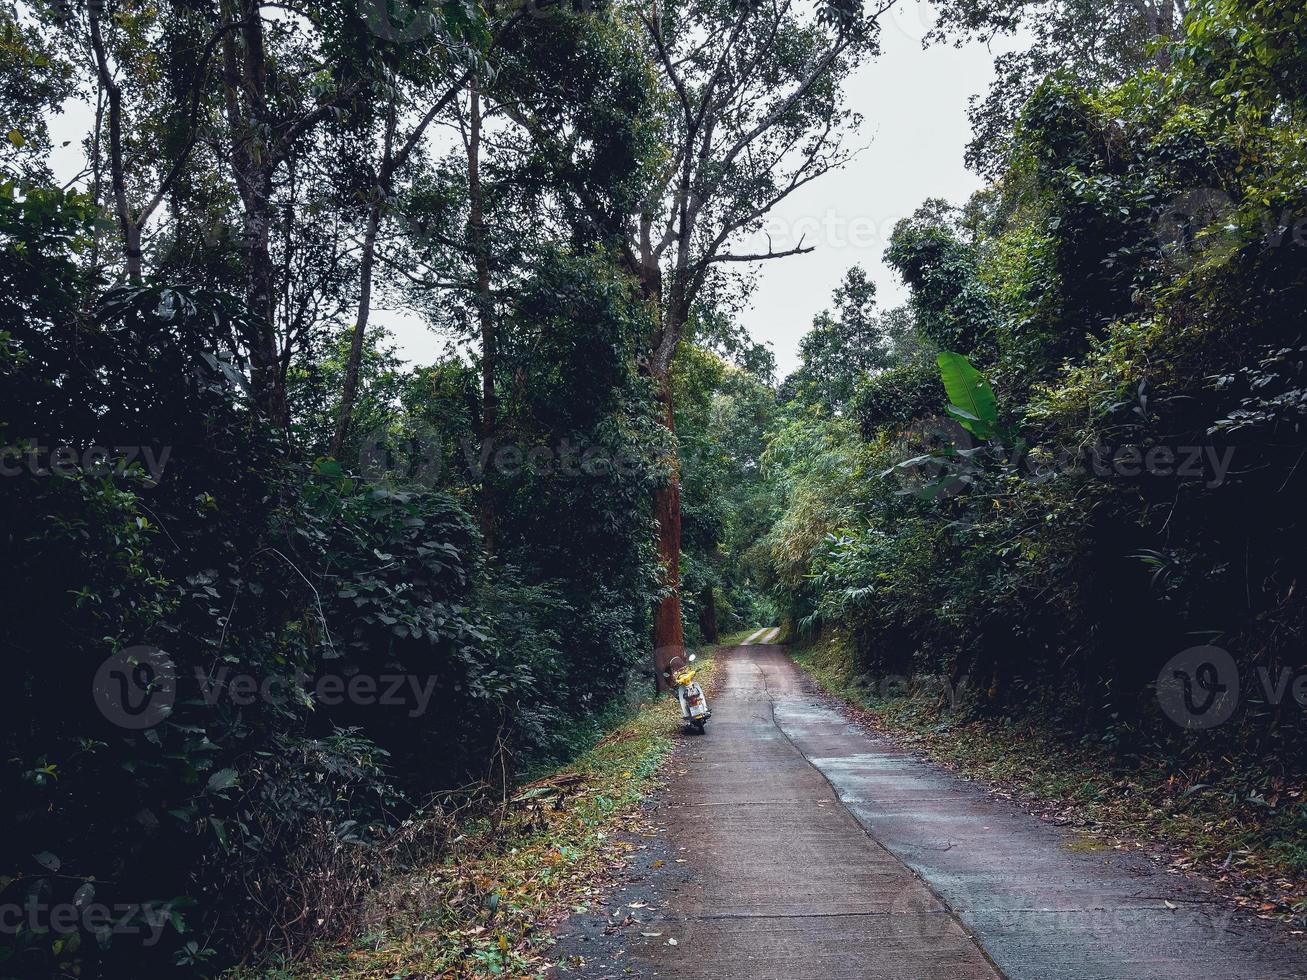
(814, 850)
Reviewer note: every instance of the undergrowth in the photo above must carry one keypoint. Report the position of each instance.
(514, 872)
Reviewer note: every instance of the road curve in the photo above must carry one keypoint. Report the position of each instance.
(814, 850)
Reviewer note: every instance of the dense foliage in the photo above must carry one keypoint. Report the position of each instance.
(1124, 480)
(161, 512)
(278, 601)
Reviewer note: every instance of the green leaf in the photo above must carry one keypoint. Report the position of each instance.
(222, 780)
(972, 399)
(220, 830)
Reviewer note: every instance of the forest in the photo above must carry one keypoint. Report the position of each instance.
(291, 617)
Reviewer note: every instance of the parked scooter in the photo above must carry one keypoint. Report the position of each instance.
(694, 704)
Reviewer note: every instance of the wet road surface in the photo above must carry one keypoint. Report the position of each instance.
(812, 849)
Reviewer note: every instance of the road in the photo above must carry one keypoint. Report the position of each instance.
(792, 845)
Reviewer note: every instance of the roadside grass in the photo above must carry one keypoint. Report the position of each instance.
(489, 909)
(735, 639)
(1234, 823)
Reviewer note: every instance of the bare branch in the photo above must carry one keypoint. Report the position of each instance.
(763, 256)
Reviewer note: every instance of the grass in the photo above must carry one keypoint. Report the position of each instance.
(735, 639)
(1238, 824)
(489, 909)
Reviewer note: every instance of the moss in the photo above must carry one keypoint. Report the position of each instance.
(1085, 844)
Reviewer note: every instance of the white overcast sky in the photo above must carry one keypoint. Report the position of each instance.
(915, 128)
(914, 104)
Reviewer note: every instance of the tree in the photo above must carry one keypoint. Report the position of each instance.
(1098, 43)
(950, 305)
(842, 347)
(235, 113)
(36, 77)
(281, 81)
(756, 112)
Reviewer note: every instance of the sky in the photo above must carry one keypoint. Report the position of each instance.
(913, 136)
(915, 132)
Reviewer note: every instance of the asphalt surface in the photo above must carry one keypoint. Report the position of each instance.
(792, 844)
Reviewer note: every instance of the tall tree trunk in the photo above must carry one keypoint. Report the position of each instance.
(392, 160)
(708, 614)
(261, 288)
(130, 227)
(476, 227)
(95, 183)
(669, 633)
(349, 390)
(1159, 19)
(245, 82)
(367, 262)
(261, 298)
